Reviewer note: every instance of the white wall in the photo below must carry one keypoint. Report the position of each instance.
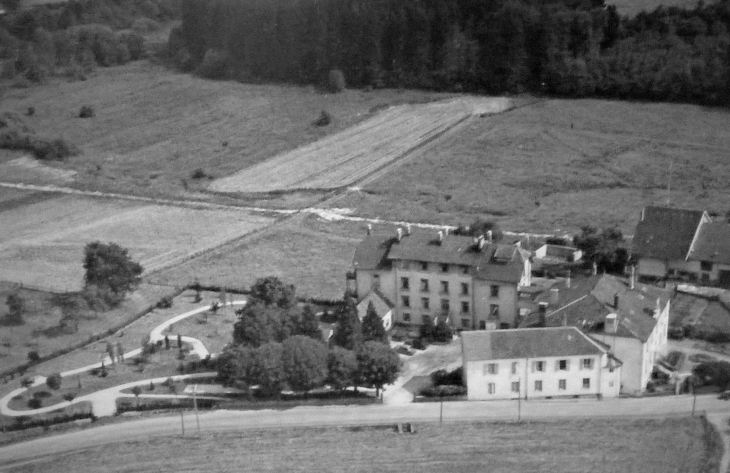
(478, 379)
(636, 369)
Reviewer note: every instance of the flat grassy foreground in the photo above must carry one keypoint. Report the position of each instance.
(647, 446)
(560, 164)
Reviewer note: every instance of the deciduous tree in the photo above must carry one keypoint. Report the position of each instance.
(110, 266)
(378, 365)
(341, 368)
(305, 362)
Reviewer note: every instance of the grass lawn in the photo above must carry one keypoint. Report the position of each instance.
(215, 331)
(560, 164)
(41, 331)
(308, 252)
(154, 127)
(666, 446)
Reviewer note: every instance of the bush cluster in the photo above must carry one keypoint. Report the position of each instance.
(443, 391)
(42, 148)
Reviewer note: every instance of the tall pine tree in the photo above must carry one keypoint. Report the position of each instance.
(348, 332)
(308, 324)
(372, 326)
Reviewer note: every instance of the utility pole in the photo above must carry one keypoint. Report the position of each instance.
(182, 422)
(441, 412)
(694, 396)
(519, 407)
(195, 406)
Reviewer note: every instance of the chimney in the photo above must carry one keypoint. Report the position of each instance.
(567, 280)
(408, 229)
(399, 233)
(594, 271)
(615, 301)
(554, 295)
(441, 236)
(370, 228)
(542, 314)
(611, 325)
(632, 281)
(489, 236)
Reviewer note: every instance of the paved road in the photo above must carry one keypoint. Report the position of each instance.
(222, 420)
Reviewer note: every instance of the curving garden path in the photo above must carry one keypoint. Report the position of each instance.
(103, 402)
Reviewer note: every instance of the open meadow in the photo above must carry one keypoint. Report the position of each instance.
(42, 242)
(154, 127)
(306, 251)
(627, 446)
(555, 165)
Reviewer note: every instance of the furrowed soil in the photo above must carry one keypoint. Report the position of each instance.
(666, 446)
(153, 127)
(556, 165)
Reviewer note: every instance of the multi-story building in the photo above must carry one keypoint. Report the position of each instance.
(469, 282)
(537, 362)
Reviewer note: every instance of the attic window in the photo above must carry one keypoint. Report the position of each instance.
(444, 268)
(705, 266)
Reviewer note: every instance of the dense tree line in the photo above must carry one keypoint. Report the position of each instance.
(74, 37)
(564, 47)
(277, 344)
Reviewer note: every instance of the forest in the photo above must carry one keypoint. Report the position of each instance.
(572, 48)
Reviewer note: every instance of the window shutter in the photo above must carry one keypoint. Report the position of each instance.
(557, 365)
(496, 368)
(567, 365)
(533, 366)
(580, 365)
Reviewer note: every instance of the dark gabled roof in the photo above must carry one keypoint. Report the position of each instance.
(371, 253)
(425, 246)
(500, 263)
(527, 343)
(665, 233)
(589, 300)
(712, 244)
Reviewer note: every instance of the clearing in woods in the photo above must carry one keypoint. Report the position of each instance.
(42, 243)
(345, 158)
(667, 446)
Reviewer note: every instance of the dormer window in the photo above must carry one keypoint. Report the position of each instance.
(444, 268)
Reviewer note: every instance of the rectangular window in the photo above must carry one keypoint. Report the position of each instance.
(464, 307)
(405, 301)
(425, 319)
(406, 317)
(514, 367)
(494, 310)
(494, 290)
(465, 270)
(444, 287)
(706, 265)
(405, 283)
(491, 368)
(538, 366)
(444, 268)
(610, 384)
(424, 266)
(405, 265)
(424, 285)
(515, 386)
(482, 325)
(376, 280)
(425, 302)
(465, 323)
(538, 386)
(586, 383)
(562, 365)
(445, 305)
(705, 277)
(562, 385)
(464, 289)
(587, 363)
(491, 388)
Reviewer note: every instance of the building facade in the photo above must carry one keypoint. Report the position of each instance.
(537, 363)
(469, 282)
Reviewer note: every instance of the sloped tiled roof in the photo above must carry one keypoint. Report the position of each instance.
(372, 251)
(483, 345)
(589, 300)
(712, 244)
(425, 246)
(665, 233)
(381, 303)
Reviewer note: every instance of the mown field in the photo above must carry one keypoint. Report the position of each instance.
(154, 127)
(306, 251)
(627, 446)
(352, 154)
(556, 165)
(42, 240)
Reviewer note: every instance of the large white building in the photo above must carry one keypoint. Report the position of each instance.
(631, 318)
(537, 363)
(469, 282)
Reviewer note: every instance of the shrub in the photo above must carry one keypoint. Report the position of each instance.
(199, 174)
(34, 403)
(336, 81)
(87, 111)
(443, 390)
(444, 378)
(41, 394)
(151, 387)
(69, 396)
(33, 356)
(324, 119)
(165, 303)
(31, 111)
(214, 65)
(145, 25)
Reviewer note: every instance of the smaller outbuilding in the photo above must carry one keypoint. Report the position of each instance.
(537, 362)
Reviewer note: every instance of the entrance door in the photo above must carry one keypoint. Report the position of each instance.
(724, 278)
